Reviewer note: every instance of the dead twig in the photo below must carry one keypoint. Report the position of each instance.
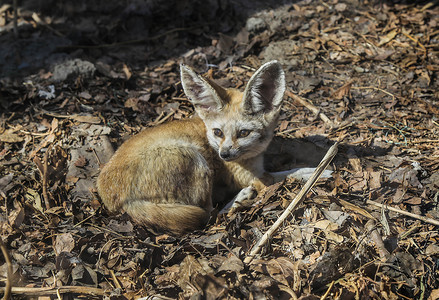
(160, 119)
(374, 88)
(327, 291)
(49, 139)
(75, 117)
(42, 167)
(404, 32)
(296, 201)
(310, 106)
(372, 232)
(422, 142)
(39, 21)
(45, 291)
(97, 157)
(45, 167)
(7, 289)
(403, 212)
(115, 280)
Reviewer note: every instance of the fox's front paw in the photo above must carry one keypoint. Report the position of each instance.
(305, 173)
(242, 199)
(244, 195)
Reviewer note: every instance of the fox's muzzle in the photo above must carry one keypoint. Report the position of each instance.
(229, 153)
(225, 155)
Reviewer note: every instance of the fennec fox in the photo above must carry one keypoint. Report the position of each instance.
(169, 176)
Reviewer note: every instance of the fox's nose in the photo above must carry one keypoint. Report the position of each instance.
(225, 154)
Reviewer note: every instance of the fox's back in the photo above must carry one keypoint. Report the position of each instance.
(181, 132)
(159, 158)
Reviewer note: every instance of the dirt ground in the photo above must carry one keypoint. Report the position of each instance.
(83, 76)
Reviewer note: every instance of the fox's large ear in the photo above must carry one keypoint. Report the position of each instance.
(204, 94)
(265, 90)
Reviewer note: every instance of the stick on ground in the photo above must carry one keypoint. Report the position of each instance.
(403, 212)
(7, 289)
(47, 291)
(296, 201)
(310, 106)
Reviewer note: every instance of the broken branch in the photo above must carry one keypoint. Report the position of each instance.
(310, 106)
(403, 212)
(296, 202)
(7, 289)
(44, 291)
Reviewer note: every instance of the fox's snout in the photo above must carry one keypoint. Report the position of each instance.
(228, 153)
(225, 155)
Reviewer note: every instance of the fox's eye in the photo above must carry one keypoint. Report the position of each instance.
(218, 132)
(243, 133)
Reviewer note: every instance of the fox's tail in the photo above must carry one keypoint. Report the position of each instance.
(169, 217)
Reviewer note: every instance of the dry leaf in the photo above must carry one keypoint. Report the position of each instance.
(86, 119)
(431, 250)
(388, 37)
(326, 225)
(232, 264)
(64, 243)
(355, 162)
(132, 103)
(356, 209)
(340, 7)
(34, 198)
(81, 162)
(9, 136)
(225, 43)
(375, 179)
(434, 295)
(16, 217)
(86, 95)
(413, 201)
(127, 72)
(343, 91)
(5, 180)
(283, 125)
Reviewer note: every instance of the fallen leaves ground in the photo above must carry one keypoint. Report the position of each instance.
(81, 79)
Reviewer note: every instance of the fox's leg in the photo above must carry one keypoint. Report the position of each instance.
(247, 193)
(250, 192)
(298, 173)
(245, 196)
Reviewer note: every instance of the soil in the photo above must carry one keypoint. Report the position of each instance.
(80, 77)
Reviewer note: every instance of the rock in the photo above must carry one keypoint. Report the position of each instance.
(70, 69)
(277, 50)
(255, 24)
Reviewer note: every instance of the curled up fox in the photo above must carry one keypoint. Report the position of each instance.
(169, 177)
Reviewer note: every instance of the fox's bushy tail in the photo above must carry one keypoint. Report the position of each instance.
(168, 217)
